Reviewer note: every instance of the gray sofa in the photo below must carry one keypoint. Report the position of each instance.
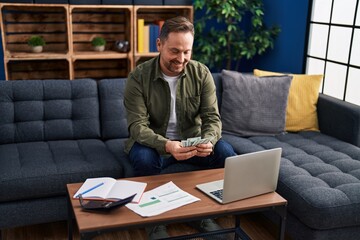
(58, 132)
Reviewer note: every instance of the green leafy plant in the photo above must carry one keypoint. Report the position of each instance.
(36, 40)
(98, 41)
(239, 32)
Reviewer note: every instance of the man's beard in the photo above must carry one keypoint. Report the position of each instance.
(174, 66)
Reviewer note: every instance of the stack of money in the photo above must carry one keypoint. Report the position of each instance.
(194, 141)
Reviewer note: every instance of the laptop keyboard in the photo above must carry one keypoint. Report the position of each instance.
(218, 193)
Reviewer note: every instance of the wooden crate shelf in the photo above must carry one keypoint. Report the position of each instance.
(68, 31)
(19, 22)
(111, 23)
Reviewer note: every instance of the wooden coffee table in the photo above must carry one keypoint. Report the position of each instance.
(91, 224)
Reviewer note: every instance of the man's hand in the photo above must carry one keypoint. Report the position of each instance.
(179, 152)
(204, 149)
(183, 153)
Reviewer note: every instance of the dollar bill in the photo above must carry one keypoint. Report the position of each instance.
(194, 141)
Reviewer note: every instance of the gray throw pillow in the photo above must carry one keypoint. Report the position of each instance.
(253, 105)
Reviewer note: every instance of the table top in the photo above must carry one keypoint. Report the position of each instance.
(123, 217)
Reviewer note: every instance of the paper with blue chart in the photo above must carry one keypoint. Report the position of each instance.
(162, 199)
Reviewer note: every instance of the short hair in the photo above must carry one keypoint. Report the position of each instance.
(176, 24)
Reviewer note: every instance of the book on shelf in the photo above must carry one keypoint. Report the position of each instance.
(154, 34)
(110, 189)
(140, 35)
(146, 38)
(147, 35)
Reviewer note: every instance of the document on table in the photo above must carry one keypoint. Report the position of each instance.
(161, 199)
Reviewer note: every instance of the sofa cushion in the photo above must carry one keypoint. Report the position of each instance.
(252, 105)
(301, 112)
(319, 176)
(113, 114)
(45, 110)
(42, 169)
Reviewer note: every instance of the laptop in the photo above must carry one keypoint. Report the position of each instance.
(246, 176)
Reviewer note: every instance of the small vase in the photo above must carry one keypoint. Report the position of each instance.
(37, 49)
(99, 48)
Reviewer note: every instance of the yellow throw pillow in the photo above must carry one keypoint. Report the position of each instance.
(301, 112)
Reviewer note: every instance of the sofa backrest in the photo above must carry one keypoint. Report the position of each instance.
(43, 110)
(113, 113)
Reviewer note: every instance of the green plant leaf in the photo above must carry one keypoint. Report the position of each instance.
(233, 38)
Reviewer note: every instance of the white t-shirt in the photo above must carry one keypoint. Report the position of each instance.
(171, 132)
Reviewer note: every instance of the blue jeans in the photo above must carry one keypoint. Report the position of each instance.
(147, 161)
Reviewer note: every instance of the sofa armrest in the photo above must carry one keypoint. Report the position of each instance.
(339, 119)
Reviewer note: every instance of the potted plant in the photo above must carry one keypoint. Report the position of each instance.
(36, 43)
(230, 31)
(98, 43)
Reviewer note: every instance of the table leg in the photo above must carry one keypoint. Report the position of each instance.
(70, 219)
(239, 232)
(281, 211)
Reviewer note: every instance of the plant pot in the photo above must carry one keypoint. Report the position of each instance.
(99, 48)
(37, 49)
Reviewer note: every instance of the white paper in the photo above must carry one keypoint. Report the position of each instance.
(162, 199)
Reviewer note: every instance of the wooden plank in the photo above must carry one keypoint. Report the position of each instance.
(99, 64)
(28, 17)
(35, 8)
(83, 37)
(49, 37)
(34, 75)
(105, 55)
(50, 47)
(36, 28)
(98, 27)
(105, 17)
(101, 74)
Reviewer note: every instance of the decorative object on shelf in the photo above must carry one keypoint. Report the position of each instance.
(98, 43)
(239, 32)
(122, 46)
(36, 43)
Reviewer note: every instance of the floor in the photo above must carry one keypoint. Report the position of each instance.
(255, 225)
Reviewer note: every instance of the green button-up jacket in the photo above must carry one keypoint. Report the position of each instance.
(147, 103)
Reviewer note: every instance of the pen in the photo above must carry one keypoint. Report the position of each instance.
(90, 189)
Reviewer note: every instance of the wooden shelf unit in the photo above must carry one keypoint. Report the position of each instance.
(68, 31)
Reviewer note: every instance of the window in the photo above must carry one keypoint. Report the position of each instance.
(334, 47)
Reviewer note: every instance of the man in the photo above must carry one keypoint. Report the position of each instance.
(170, 98)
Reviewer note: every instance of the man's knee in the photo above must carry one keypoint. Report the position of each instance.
(223, 148)
(145, 160)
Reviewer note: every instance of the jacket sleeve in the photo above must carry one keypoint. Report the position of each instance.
(138, 117)
(209, 111)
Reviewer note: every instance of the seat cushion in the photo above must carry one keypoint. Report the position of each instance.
(42, 169)
(319, 176)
